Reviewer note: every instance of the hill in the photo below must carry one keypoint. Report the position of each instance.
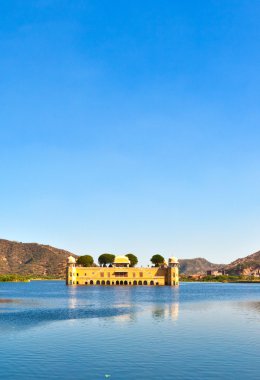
(197, 266)
(32, 258)
(247, 266)
(44, 260)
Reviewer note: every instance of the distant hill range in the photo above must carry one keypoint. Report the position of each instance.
(44, 260)
(197, 266)
(32, 258)
(249, 265)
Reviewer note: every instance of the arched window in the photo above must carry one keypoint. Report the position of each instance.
(117, 282)
(125, 283)
(91, 282)
(140, 283)
(98, 282)
(108, 282)
(121, 282)
(151, 283)
(135, 283)
(103, 282)
(145, 282)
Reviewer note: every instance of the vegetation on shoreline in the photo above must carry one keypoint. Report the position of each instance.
(220, 278)
(25, 278)
(183, 278)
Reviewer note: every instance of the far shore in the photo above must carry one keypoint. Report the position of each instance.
(27, 278)
(233, 279)
(200, 279)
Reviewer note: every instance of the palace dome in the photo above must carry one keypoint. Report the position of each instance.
(173, 260)
(71, 260)
(121, 260)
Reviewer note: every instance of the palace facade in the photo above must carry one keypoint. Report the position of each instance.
(120, 273)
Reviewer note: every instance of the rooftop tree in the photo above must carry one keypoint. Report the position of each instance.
(157, 260)
(106, 259)
(85, 261)
(133, 259)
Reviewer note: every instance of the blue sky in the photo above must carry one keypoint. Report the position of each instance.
(131, 126)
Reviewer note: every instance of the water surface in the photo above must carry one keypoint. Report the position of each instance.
(196, 331)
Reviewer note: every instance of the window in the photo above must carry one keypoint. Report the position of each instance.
(121, 274)
(134, 274)
(141, 274)
(101, 274)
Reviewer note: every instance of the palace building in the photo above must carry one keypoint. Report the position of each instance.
(120, 273)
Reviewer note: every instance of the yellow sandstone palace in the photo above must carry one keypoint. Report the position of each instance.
(122, 274)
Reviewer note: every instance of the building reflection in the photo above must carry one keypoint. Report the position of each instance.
(173, 311)
(72, 300)
(170, 311)
(130, 317)
(124, 306)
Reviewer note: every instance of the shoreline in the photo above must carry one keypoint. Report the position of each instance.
(26, 278)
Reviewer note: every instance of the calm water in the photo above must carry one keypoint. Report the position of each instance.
(198, 331)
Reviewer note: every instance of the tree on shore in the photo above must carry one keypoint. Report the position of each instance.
(85, 261)
(157, 260)
(106, 259)
(133, 259)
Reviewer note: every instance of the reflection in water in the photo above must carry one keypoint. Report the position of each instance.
(118, 332)
(249, 307)
(30, 315)
(255, 306)
(173, 311)
(125, 318)
(72, 302)
(170, 311)
(8, 300)
(158, 313)
(21, 319)
(7, 304)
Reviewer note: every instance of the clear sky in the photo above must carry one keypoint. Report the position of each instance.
(131, 126)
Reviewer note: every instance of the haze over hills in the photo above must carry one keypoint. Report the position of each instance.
(41, 260)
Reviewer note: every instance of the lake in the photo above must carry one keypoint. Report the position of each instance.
(195, 331)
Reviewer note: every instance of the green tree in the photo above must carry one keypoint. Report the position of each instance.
(85, 261)
(106, 258)
(157, 260)
(133, 259)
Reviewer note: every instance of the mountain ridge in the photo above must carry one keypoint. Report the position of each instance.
(32, 258)
(45, 260)
(197, 265)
